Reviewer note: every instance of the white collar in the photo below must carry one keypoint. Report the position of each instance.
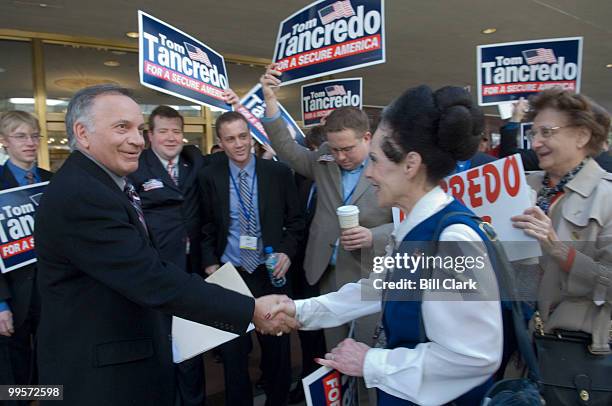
(431, 203)
(164, 162)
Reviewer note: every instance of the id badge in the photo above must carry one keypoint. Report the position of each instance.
(248, 243)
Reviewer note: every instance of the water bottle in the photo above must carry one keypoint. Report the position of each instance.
(271, 259)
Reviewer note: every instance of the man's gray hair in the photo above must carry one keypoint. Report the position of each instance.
(79, 108)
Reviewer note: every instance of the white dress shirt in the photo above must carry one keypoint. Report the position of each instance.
(465, 346)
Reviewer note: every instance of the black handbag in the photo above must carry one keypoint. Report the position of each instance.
(569, 373)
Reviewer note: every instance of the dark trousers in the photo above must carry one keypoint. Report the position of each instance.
(312, 342)
(17, 352)
(190, 383)
(189, 374)
(275, 352)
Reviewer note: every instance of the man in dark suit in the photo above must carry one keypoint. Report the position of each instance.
(19, 301)
(166, 181)
(249, 204)
(106, 295)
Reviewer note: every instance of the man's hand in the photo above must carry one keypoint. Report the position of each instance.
(209, 270)
(274, 314)
(6, 323)
(230, 97)
(348, 357)
(356, 238)
(519, 109)
(282, 265)
(269, 151)
(269, 83)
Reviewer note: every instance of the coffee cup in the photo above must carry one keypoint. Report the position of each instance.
(348, 216)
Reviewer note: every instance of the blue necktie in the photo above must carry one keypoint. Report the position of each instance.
(249, 258)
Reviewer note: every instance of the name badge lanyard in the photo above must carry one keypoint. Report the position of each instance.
(247, 214)
(346, 199)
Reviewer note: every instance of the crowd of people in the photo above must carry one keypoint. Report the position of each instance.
(125, 236)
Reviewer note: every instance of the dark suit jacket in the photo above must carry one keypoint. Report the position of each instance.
(280, 216)
(17, 287)
(106, 295)
(172, 212)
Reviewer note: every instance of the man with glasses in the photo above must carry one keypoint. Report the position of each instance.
(19, 300)
(335, 257)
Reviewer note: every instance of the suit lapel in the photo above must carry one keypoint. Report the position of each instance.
(44, 175)
(362, 186)
(262, 188)
(186, 172)
(336, 178)
(157, 169)
(222, 186)
(98, 173)
(8, 179)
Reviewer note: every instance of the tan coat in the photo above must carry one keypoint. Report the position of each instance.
(325, 230)
(580, 300)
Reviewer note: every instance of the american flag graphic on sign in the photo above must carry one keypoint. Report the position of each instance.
(335, 11)
(335, 90)
(539, 55)
(196, 54)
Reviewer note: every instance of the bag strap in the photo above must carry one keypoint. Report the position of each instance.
(505, 274)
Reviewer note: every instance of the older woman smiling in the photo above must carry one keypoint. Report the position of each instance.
(572, 218)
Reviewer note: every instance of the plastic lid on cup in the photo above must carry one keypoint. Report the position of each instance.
(347, 210)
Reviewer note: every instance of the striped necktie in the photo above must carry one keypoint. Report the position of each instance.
(248, 226)
(130, 192)
(30, 178)
(172, 169)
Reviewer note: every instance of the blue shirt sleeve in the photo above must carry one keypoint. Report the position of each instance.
(4, 306)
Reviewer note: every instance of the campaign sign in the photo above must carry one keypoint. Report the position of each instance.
(328, 387)
(175, 63)
(321, 98)
(17, 208)
(330, 36)
(512, 70)
(253, 108)
(495, 191)
(524, 140)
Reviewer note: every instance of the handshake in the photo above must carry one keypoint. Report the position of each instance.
(275, 314)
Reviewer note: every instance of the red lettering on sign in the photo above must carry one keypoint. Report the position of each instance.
(457, 187)
(511, 165)
(474, 188)
(331, 385)
(17, 247)
(491, 192)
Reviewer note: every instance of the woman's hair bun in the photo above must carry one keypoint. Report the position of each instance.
(460, 124)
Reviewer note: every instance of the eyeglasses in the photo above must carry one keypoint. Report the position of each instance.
(544, 132)
(23, 138)
(346, 150)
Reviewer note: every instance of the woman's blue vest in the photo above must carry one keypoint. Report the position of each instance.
(402, 319)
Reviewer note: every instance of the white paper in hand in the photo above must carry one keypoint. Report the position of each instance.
(190, 338)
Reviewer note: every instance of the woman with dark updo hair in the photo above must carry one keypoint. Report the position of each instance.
(435, 345)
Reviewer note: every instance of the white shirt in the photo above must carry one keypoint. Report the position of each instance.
(465, 344)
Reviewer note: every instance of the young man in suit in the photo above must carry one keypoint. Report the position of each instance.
(166, 181)
(19, 300)
(106, 295)
(248, 204)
